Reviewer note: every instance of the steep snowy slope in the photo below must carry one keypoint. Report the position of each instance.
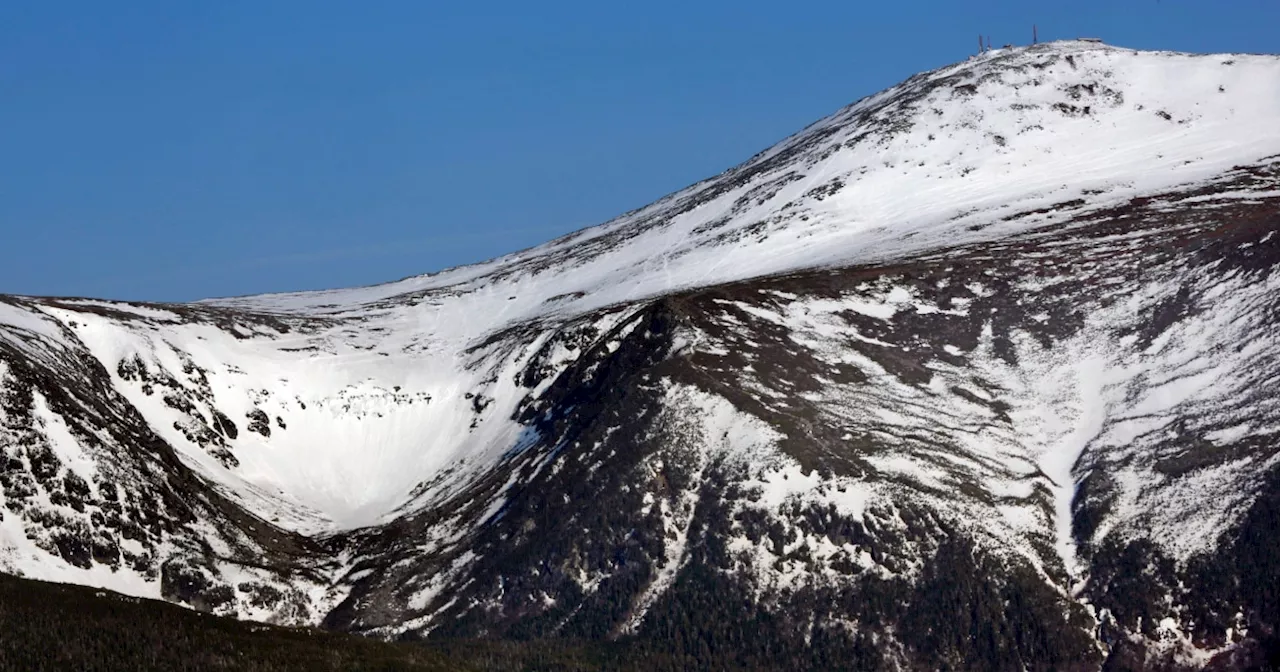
(947, 157)
(1006, 329)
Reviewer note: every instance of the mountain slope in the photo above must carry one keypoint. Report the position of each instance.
(975, 372)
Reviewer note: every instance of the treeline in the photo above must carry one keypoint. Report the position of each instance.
(47, 626)
(52, 626)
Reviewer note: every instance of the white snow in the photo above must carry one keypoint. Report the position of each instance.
(913, 190)
(376, 397)
(13, 317)
(20, 556)
(918, 189)
(64, 444)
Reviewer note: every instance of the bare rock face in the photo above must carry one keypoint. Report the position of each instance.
(979, 372)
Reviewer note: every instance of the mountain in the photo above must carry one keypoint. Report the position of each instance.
(978, 372)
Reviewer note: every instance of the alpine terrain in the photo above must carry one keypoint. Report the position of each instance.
(982, 371)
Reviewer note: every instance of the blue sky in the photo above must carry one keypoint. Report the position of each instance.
(173, 151)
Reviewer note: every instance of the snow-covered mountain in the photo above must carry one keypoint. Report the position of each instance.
(977, 371)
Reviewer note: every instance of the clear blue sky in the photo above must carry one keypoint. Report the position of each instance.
(176, 150)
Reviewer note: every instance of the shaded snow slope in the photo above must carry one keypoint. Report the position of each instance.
(313, 426)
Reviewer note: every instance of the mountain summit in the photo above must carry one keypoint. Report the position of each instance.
(979, 371)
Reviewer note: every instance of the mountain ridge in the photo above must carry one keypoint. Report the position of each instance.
(891, 110)
(926, 357)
